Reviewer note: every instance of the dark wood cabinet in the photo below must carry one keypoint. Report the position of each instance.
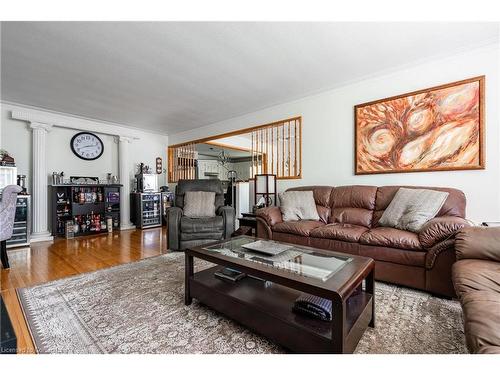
(83, 203)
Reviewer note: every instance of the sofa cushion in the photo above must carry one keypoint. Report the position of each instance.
(353, 204)
(454, 205)
(324, 213)
(391, 237)
(301, 228)
(199, 204)
(410, 209)
(202, 225)
(396, 256)
(474, 274)
(298, 205)
(190, 236)
(478, 243)
(481, 320)
(342, 232)
(183, 186)
(321, 193)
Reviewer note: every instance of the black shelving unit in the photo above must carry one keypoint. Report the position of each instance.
(98, 199)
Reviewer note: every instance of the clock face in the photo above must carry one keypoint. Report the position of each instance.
(87, 146)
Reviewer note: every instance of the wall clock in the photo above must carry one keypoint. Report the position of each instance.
(87, 146)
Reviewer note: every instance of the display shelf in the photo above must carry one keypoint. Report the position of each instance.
(88, 204)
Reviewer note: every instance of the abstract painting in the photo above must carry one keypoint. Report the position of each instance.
(436, 129)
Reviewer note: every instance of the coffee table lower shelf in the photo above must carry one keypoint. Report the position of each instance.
(266, 308)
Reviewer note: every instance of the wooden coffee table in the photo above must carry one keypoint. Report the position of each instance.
(266, 306)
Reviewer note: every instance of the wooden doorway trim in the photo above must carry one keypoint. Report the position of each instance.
(238, 132)
(223, 145)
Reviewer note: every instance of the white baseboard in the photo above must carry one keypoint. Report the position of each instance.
(127, 227)
(41, 237)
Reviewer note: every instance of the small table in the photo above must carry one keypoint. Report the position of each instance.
(248, 224)
(266, 306)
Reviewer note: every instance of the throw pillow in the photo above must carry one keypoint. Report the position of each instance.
(199, 204)
(298, 205)
(410, 209)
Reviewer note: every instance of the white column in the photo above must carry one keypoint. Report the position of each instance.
(39, 184)
(124, 170)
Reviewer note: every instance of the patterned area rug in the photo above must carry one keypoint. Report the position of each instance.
(139, 308)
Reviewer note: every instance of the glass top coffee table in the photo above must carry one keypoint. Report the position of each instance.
(264, 301)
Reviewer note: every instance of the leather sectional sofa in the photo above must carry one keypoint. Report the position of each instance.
(476, 276)
(348, 224)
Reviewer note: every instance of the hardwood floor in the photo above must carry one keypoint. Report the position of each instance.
(46, 261)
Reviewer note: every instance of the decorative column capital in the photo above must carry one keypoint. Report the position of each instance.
(122, 138)
(39, 125)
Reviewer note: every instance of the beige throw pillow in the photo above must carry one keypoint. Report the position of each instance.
(199, 204)
(298, 205)
(410, 209)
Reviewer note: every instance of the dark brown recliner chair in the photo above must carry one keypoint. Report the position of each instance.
(184, 232)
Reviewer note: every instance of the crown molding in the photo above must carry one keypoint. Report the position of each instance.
(69, 122)
(45, 111)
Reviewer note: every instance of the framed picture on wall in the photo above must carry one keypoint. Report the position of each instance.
(436, 129)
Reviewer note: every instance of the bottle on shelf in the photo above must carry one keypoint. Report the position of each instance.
(81, 196)
(90, 219)
(77, 224)
(97, 223)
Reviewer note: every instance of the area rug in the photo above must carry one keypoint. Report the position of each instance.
(139, 308)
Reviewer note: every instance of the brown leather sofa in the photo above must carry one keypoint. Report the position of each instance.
(476, 276)
(348, 224)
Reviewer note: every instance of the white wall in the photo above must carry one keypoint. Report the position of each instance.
(328, 129)
(16, 137)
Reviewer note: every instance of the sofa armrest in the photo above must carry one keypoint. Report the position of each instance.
(227, 212)
(435, 251)
(174, 215)
(440, 229)
(478, 243)
(271, 215)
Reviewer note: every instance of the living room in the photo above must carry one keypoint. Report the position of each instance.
(231, 187)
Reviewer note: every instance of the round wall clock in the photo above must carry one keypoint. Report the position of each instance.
(87, 146)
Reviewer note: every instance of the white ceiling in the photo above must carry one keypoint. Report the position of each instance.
(170, 77)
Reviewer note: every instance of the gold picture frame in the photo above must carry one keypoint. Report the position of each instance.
(435, 129)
